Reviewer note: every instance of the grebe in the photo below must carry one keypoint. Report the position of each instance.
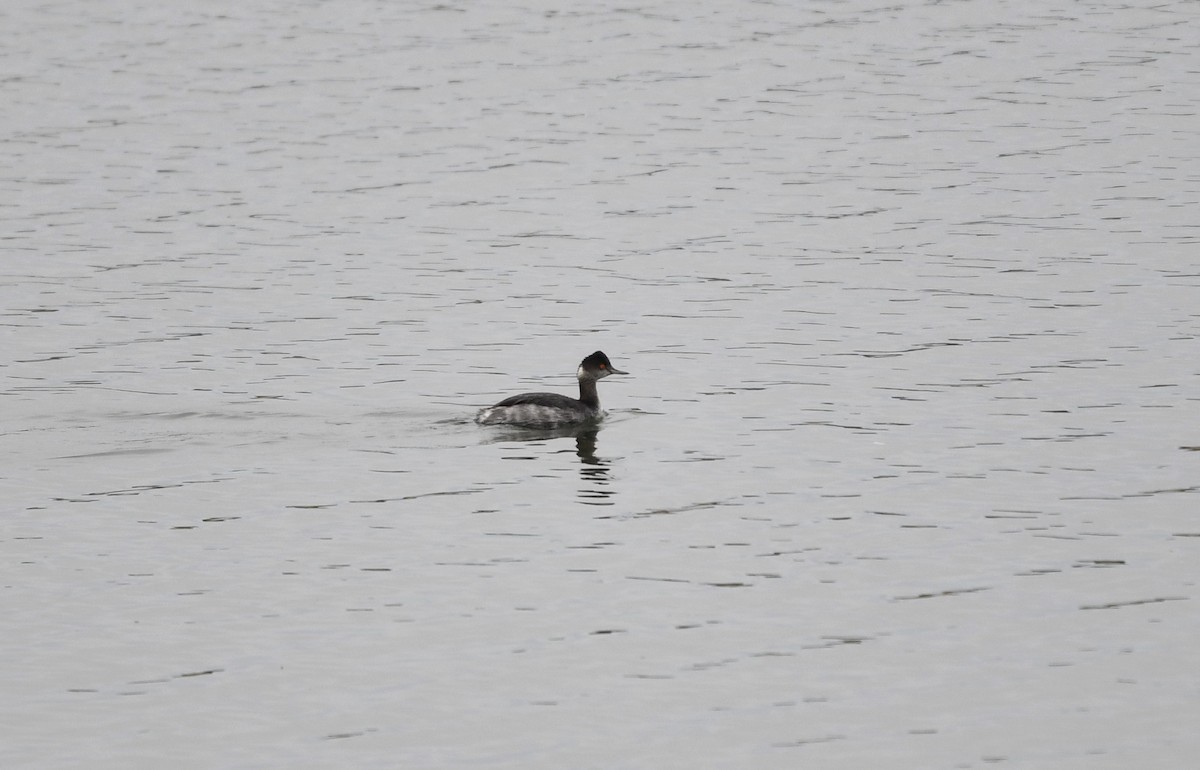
(546, 410)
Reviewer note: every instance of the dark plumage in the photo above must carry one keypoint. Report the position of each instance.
(551, 409)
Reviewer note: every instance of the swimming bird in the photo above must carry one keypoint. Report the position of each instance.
(547, 410)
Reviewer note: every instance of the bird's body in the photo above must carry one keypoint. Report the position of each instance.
(548, 410)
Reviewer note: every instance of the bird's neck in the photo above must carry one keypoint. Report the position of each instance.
(588, 395)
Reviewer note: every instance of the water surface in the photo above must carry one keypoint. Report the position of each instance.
(905, 473)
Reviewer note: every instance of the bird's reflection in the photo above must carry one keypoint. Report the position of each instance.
(593, 471)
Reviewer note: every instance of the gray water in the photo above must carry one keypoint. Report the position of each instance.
(905, 473)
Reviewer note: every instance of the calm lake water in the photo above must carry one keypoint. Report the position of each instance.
(906, 472)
